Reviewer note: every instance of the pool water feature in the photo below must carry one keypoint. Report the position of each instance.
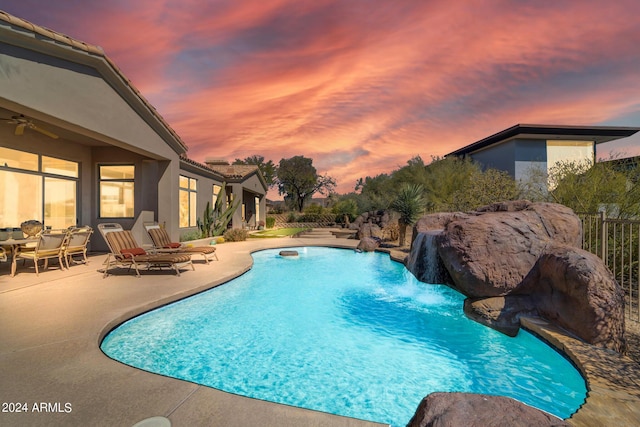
(348, 333)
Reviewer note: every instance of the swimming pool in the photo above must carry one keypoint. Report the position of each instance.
(348, 333)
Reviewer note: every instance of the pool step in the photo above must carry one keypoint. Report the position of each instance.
(318, 233)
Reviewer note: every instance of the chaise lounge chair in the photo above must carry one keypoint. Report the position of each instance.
(162, 241)
(125, 252)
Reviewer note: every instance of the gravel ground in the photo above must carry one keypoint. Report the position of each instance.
(632, 334)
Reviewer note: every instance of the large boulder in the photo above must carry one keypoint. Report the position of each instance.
(368, 244)
(369, 230)
(574, 289)
(490, 251)
(479, 410)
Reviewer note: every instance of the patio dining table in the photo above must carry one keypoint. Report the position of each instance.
(17, 244)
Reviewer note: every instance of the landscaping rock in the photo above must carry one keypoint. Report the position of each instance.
(369, 230)
(478, 410)
(489, 252)
(501, 313)
(368, 244)
(574, 289)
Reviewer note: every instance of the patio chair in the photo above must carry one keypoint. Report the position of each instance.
(49, 245)
(124, 251)
(162, 241)
(77, 242)
(3, 254)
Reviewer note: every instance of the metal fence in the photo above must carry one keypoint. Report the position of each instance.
(617, 242)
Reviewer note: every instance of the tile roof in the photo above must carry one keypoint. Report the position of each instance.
(55, 38)
(234, 171)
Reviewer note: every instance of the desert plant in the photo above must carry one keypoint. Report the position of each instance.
(410, 204)
(345, 211)
(236, 235)
(214, 221)
(190, 235)
(271, 222)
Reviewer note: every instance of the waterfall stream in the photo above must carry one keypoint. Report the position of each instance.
(424, 261)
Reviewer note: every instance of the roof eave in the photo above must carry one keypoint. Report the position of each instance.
(599, 134)
(40, 39)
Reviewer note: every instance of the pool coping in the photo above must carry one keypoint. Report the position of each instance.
(51, 327)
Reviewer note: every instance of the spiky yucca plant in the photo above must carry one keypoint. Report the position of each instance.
(410, 204)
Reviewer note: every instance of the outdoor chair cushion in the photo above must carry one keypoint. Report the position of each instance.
(131, 252)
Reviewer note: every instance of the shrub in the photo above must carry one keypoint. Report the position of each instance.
(271, 222)
(190, 235)
(292, 217)
(391, 232)
(236, 235)
(309, 217)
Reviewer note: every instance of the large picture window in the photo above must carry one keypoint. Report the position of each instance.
(188, 201)
(37, 187)
(117, 191)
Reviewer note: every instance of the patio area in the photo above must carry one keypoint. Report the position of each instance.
(51, 326)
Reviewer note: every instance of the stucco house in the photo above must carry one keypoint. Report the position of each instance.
(523, 147)
(80, 145)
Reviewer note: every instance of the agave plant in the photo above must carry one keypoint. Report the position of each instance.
(410, 204)
(214, 221)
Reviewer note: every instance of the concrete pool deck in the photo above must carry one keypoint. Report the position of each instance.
(52, 369)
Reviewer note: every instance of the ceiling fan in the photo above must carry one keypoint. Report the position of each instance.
(23, 123)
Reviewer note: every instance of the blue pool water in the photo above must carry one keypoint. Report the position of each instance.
(348, 333)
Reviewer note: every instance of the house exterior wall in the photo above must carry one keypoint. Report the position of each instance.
(101, 120)
(78, 96)
(204, 196)
(500, 156)
(100, 126)
(531, 154)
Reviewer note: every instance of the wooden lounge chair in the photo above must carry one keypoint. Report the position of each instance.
(77, 244)
(49, 245)
(161, 240)
(125, 252)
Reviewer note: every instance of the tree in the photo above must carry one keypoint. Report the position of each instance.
(484, 188)
(267, 169)
(410, 205)
(298, 181)
(588, 188)
(345, 210)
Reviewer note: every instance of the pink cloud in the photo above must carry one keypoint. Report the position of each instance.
(362, 86)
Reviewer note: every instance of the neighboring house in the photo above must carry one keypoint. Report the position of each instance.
(80, 145)
(522, 148)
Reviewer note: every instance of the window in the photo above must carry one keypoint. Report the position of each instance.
(37, 187)
(188, 201)
(117, 191)
(257, 201)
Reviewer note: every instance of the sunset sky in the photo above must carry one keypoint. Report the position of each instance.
(361, 86)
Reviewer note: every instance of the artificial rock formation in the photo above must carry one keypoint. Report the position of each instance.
(574, 289)
(518, 259)
(478, 410)
(489, 252)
